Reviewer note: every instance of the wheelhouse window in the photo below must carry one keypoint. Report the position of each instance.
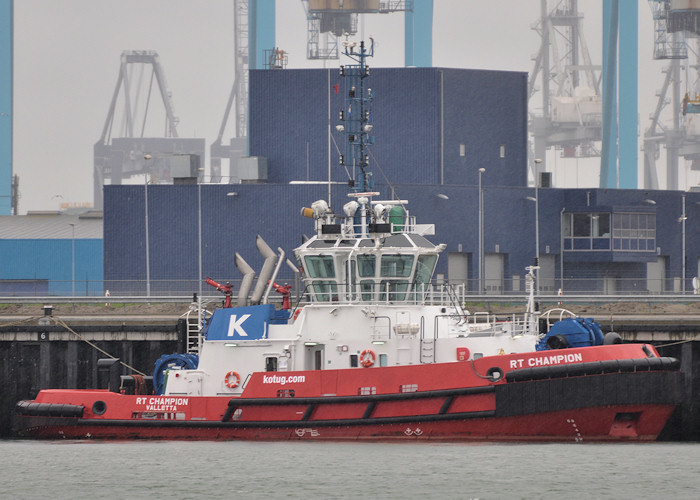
(321, 266)
(395, 266)
(425, 267)
(366, 265)
(367, 268)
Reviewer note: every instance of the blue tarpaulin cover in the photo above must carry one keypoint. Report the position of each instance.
(579, 332)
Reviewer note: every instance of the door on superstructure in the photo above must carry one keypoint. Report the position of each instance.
(313, 359)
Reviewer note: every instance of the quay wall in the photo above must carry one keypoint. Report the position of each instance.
(35, 357)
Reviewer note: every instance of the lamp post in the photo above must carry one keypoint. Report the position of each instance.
(199, 251)
(72, 228)
(537, 238)
(561, 249)
(536, 199)
(147, 157)
(148, 258)
(481, 233)
(682, 220)
(537, 225)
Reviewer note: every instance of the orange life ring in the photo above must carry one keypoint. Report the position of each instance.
(367, 358)
(296, 313)
(232, 383)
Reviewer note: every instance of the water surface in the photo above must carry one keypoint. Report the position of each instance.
(310, 470)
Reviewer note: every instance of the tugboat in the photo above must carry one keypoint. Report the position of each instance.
(375, 351)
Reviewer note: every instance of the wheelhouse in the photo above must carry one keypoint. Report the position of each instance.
(379, 255)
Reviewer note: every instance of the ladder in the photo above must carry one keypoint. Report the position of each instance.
(193, 333)
(427, 350)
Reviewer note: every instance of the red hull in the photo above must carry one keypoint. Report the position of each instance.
(588, 424)
(607, 396)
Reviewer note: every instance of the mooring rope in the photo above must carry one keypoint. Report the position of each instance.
(673, 343)
(59, 321)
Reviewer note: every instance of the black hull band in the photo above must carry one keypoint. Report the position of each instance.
(553, 394)
(593, 368)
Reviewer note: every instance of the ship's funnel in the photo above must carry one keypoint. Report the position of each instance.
(246, 282)
(266, 271)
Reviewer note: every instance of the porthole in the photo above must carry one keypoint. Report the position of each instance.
(99, 407)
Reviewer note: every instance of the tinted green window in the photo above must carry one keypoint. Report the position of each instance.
(320, 266)
(366, 265)
(424, 268)
(396, 265)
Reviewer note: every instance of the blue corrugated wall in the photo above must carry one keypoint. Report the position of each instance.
(230, 224)
(413, 142)
(485, 110)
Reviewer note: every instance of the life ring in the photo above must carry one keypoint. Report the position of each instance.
(367, 358)
(232, 384)
(296, 313)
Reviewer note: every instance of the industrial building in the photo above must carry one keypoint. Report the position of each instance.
(51, 253)
(435, 129)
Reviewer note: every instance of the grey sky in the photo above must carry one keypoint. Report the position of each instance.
(66, 62)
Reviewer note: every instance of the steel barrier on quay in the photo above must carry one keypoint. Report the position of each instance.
(506, 287)
(516, 300)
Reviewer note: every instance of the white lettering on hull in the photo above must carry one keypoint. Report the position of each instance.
(162, 403)
(553, 359)
(282, 380)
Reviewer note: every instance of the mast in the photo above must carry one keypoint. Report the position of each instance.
(356, 117)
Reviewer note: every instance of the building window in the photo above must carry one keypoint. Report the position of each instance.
(367, 391)
(586, 231)
(408, 388)
(593, 231)
(462, 149)
(634, 232)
